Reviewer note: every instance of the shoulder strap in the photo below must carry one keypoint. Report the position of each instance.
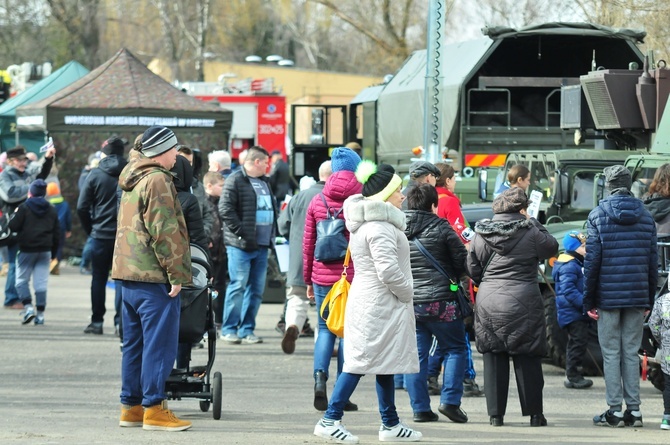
(330, 215)
(487, 264)
(431, 259)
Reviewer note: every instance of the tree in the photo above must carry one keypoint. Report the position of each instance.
(80, 19)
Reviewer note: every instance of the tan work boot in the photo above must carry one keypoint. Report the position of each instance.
(131, 415)
(159, 418)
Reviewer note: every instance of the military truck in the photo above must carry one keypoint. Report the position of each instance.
(624, 109)
(498, 94)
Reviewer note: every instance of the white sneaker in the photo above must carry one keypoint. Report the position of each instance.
(399, 433)
(337, 432)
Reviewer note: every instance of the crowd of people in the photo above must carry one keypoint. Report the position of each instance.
(413, 258)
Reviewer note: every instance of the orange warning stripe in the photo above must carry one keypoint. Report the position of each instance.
(484, 160)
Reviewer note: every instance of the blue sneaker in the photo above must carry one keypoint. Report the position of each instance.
(39, 318)
(28, 314)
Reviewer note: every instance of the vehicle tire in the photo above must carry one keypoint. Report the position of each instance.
(655, 376)
(557, 340)
(217, 394)
(204, 406)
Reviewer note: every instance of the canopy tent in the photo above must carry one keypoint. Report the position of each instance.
(123, 96)
(58, 80)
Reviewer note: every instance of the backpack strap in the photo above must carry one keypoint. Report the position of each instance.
(330, 215)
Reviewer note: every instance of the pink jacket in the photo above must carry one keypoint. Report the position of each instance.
(338, 187)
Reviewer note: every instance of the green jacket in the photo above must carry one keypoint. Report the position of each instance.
(152, 242)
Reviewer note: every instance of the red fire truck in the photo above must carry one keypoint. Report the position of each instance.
(259, 114)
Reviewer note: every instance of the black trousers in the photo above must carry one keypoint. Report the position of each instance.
(578, 340)
(219, 276)
(529, 379)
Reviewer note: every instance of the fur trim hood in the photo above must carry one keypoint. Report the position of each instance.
(359, 210)
(504, 231)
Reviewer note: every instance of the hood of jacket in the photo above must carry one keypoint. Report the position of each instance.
(182, 173)
(112, 165)
(138, 167)
(359, 210)
(418, 220)
(38, 205)
(341, 185)
(658, 206)
(623, 208)
(503, 232)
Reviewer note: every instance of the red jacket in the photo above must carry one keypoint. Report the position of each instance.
(338, 187)
(449, 208)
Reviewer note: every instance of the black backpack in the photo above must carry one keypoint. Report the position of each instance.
(331, 244)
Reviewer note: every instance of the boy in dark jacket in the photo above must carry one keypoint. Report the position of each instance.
(213, 185)
(569, 284)
(38, 231)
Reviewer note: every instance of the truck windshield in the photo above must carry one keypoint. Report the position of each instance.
(642, 178)
(582, 190)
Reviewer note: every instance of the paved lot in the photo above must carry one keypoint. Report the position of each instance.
(59, 386)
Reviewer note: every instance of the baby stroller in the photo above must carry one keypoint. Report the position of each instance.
(650, 349)
(197, 319)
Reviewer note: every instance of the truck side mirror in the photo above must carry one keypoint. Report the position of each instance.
(483, 180)
(598, 188)
(563, 191)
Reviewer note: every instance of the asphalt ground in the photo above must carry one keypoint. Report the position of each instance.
(60, 386)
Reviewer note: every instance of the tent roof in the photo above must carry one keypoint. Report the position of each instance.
(124, 82)
(59, 79)
(120, 95)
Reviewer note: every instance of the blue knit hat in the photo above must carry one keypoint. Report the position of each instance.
(157, 140)
(344, 158)
(38, 188)
(572, 240)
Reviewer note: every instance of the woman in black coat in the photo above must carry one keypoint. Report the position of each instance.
(509, 319)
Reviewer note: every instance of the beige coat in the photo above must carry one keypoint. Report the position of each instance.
(379, 327)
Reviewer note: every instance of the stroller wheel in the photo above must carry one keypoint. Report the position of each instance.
(204, 406)
(216, 396)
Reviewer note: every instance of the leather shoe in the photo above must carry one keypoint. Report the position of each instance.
(538, 420)
(454, 413)
(349, 406)
(496, 421)
(425, 416)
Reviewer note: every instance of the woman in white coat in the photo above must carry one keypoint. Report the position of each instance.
(379, 320)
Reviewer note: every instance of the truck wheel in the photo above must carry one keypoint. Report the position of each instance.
(655, 376)
(557, 340)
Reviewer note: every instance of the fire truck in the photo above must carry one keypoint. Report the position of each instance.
(259, 113)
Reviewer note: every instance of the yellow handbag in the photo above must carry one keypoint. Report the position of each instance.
(336, 302)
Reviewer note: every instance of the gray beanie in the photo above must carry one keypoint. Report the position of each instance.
(617, 177)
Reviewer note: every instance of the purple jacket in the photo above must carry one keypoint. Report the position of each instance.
(338, 187)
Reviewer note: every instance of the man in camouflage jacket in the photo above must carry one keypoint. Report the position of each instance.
(152, 258)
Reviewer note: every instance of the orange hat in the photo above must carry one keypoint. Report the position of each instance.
(53, 189)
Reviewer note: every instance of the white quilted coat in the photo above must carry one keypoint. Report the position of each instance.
(379, 326)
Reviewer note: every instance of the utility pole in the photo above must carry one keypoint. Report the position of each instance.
(432, 124)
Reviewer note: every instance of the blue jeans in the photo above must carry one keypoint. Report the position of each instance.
(150, 335)
(451, 338)
(345, 387)
(37, 265)
(11, 295)
(244, 294)
(102, 253)
(325, 340)
(436, 358)
(86, 255)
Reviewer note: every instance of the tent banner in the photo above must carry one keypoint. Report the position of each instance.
(142, 121)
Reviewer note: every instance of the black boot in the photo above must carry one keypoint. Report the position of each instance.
(320, 391)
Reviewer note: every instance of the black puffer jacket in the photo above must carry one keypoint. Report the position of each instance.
(509, 314)
(97, 206)
(183, 177)
(443, 243)
(237, 208)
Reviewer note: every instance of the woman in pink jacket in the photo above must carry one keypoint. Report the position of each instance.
(320, 277)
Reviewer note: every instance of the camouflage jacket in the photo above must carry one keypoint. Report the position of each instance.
(152, 242)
